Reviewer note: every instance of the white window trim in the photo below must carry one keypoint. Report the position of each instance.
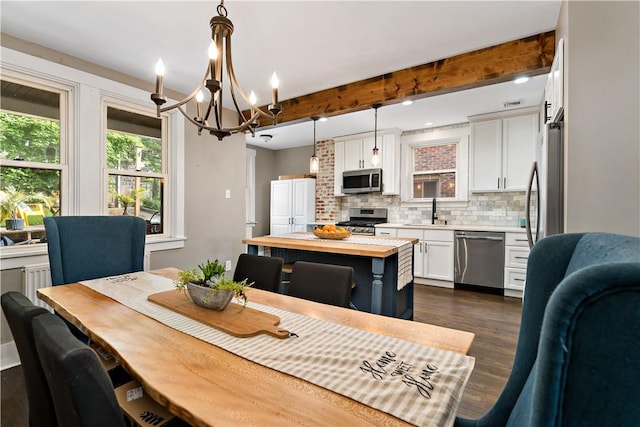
(85, 176)
(459, 136)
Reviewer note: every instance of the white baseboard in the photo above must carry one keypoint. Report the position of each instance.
(9, 356)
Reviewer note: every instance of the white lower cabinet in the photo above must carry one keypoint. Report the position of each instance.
(433, 254)
(516, 257)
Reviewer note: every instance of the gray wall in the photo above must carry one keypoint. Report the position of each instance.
(265, 172)
(602, 97)
(293, 161)
(214, 225)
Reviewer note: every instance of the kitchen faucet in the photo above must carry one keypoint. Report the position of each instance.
(434, 215)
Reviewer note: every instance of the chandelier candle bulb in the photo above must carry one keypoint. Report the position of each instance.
(274, 85)
(159, 76)
(199, 98)
(213, 55)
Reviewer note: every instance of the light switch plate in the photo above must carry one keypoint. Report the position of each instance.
(227, 194)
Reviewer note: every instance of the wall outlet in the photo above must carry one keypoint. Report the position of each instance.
(227, 194)
(227, 265)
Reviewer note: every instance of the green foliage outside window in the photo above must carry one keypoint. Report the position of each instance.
(30, 139)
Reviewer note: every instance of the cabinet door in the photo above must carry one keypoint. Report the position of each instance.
(353, 155)
(486, 160)
(280, 206)
(418, 249)
(439, 260)
(518, 150)
(303, 204)
(390, 163)
(338, 166)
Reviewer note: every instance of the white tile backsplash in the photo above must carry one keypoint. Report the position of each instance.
(498, 209)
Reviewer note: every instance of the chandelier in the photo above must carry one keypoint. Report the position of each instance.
(209, 114)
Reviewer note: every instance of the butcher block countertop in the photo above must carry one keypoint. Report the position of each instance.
(382, 250)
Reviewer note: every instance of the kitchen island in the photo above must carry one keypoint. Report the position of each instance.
(382, 267)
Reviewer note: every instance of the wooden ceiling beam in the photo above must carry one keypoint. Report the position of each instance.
(530, 55)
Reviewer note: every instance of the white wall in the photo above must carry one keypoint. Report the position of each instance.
(602, 96)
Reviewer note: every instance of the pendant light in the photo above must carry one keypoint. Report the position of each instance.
(314, 162)
(375, 160)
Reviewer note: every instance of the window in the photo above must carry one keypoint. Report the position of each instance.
(32, 157)
(136, 165)
(434, 171)
(435, 164)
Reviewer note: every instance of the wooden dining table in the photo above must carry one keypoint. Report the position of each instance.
(206, 385)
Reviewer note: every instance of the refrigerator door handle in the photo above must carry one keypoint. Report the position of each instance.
(527, 205)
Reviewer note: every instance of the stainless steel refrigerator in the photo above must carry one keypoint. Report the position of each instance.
(544, 202)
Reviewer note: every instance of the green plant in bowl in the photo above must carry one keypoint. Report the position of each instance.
(208, 286)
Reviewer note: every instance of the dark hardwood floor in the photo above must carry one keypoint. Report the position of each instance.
(494, 319)
(496, 322)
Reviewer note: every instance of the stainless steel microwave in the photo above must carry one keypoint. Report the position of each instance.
(362, 181)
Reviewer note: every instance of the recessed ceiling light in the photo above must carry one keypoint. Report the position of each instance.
(407, 102)
(428, 123)
(323, 119)
(521, 80)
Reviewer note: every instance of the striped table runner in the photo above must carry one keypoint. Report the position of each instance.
(419, 384)
(405, 251)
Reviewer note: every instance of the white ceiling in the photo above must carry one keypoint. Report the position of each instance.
(313, 45)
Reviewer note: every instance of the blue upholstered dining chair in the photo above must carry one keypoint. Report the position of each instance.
(89, 247)
(577, 360)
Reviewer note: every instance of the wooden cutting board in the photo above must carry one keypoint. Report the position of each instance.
(232, 320)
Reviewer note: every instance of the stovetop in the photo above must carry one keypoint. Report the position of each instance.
(363, 220)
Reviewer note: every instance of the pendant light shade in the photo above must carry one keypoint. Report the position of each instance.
(314, 162)
(375, 160)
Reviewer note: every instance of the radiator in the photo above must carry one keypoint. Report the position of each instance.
(34, 277)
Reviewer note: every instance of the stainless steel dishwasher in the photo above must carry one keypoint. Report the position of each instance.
(479, 260)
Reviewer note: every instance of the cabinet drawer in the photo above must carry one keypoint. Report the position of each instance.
(514, 278)
(387, 232)
(516, 256)
(410, 232)
(516, 239)
(438, 235)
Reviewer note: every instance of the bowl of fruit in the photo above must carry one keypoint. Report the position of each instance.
(330, 231)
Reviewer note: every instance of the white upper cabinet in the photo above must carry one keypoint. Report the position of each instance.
(554, 91)
(356, 152)
(502, 151)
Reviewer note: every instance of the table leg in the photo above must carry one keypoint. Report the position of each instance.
(377, 268)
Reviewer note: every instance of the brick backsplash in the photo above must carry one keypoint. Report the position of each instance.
(500, 209)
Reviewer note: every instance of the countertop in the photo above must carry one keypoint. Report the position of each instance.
(381, 250)
(498, 228)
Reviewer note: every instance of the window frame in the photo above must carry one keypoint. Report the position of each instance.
(111, 102)
(434, 137)
(66, 101)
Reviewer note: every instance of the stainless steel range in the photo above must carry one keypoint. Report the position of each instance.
(363, 220)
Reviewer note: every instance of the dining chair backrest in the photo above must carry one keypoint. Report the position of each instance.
(263, 271)
(89, 247)
(576, 361)
(82, 393)
(20, 311)
(325, 283)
